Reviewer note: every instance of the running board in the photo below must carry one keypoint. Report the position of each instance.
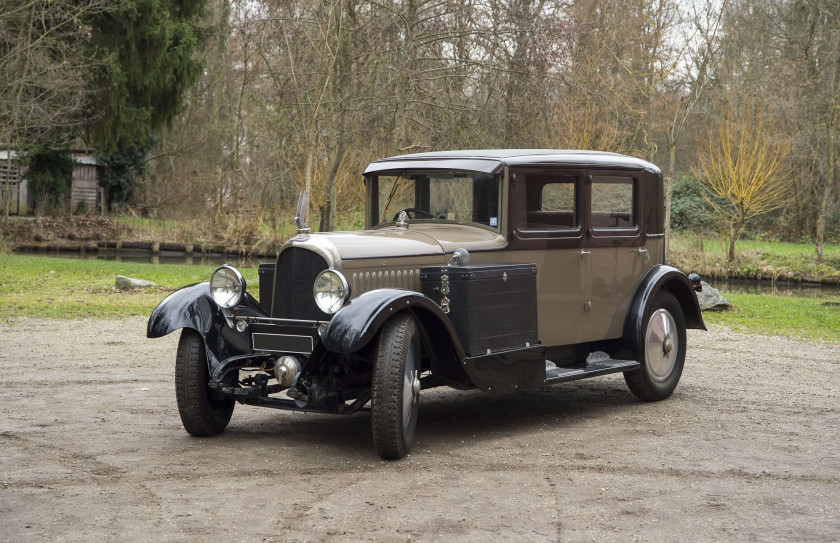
(584, 370)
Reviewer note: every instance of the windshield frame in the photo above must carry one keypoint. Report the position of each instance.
(374, 214)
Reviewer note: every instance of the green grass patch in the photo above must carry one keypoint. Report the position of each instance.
(793, 316)
(66, 288)
(770, 259)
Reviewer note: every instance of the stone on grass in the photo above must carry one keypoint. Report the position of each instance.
(711, 299)
(127, 283)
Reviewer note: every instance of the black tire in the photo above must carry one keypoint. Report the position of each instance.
(395, 395)
(202, 412)
(659, 373)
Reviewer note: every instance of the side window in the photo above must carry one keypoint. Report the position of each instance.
(612, 202)
(549, 204)
(558, 197)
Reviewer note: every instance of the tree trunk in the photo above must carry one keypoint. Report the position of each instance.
(13, 136)
(732, 240)
(398, 136)
(330, 212)
(669, 183)
(828, 193)
(820, 238)
(830, 124)
(402, 87)
(518, 131)
(735, 229)
(343, 61)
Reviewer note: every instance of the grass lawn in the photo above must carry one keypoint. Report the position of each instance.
(770, 315)
(39, 286)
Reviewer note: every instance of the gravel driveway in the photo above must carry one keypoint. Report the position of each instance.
(92, 449)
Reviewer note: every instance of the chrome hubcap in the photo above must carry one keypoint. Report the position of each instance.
(661, 345)
(411, 393)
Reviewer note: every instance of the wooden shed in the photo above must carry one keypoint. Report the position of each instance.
(85, 191)
(11, 180)
(85, 187)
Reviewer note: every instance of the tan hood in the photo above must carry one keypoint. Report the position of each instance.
(430, 242)
(418, 239)
(384, 243)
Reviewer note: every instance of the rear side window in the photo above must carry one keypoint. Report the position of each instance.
(558, 197)
(550, 203)
(612, 202)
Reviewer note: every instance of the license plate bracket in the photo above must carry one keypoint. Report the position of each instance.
(282, 343)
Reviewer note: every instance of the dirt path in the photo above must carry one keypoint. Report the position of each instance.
(91, 449)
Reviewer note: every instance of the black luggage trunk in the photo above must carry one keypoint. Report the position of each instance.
(492, 307)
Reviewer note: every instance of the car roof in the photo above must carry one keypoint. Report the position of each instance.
(494, 160)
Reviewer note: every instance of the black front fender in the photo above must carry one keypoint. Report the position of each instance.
(192, 307)
(187, 307)
(359, 321)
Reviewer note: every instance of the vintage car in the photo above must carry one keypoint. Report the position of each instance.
(501, 270)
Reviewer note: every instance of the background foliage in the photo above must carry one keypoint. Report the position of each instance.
(254, 100)
(49, 173)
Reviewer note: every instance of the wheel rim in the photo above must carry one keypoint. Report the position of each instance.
(411, 394)
(661, 345)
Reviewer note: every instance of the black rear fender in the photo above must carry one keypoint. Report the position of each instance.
(660, 278)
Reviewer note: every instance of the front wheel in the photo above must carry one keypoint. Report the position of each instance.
(662, 352)
(396, 388)
(202, 411)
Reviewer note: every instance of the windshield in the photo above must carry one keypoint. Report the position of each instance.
(464, 197)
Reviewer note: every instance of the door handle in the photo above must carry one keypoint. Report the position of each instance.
(641, 250)
(585, 252)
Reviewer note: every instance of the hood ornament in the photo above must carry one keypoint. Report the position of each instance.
(300, 214)
(401, 218)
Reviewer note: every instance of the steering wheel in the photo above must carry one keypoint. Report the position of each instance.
(414, 210)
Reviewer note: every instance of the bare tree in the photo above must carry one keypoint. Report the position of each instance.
(43, 74)
(688, 84)
(813, 29)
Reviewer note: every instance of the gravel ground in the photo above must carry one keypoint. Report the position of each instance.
(92, 449)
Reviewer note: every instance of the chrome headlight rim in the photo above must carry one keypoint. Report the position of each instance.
(224, 296)
(341, 297)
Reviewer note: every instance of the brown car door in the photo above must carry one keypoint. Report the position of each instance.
(547, 230)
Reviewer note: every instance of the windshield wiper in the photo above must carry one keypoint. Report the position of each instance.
(390, 197)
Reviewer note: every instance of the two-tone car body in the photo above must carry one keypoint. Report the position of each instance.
(500, 270)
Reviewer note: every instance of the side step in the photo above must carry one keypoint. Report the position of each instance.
(592, 367)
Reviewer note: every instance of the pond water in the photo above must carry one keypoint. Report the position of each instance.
(164, 257)
(779, 288)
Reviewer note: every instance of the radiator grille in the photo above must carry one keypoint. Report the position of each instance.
(293, 280)
(365, 281)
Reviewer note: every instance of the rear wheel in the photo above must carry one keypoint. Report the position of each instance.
(202, 411)
(662, 352)
(396, 388)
